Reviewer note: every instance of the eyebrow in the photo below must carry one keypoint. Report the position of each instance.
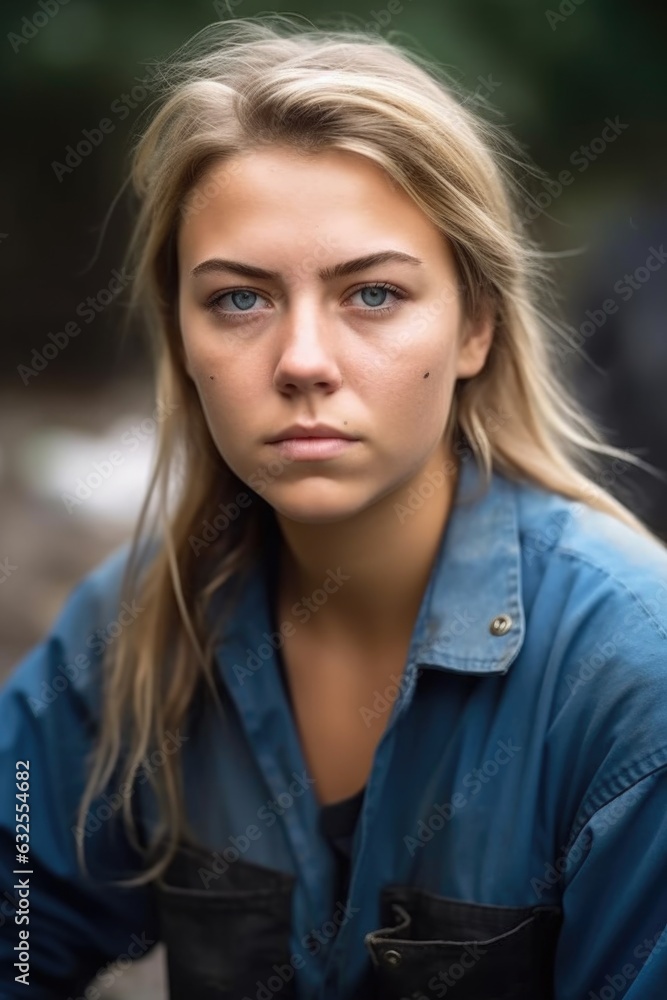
(340, 270)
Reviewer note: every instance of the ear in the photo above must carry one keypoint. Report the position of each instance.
(476, 344)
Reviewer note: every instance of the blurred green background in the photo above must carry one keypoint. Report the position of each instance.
(555, 75)
(555, 78)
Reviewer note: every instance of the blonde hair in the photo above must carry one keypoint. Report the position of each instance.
(237, 86)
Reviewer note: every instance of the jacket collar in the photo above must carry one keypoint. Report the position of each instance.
(471, 618)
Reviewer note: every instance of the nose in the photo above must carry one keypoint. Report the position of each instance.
(308, 352)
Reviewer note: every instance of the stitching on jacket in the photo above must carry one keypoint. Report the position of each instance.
(655, 762)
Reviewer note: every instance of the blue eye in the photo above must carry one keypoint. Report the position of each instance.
(382, 290)
(239, 296)
(244, 298)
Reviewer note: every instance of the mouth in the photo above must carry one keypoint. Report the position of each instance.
(326, 436)
(313, 448)
(317, 431)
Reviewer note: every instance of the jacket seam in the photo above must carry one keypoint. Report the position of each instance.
(577, 556)
(656, 761)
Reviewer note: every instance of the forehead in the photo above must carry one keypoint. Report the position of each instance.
(277, 201)
(272, 171)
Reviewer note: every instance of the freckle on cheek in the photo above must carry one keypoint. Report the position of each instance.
(426, 375)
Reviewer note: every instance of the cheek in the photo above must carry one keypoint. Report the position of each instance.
(412, 387)
(219, 397)
(225, 421)
(231, 393)
(226, 382)
(224, 408)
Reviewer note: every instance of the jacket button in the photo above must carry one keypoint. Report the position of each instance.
(392, 957)
(500, 625)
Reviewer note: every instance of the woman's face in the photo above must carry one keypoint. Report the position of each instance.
(298, 346)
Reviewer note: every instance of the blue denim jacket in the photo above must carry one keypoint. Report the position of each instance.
(513, 836)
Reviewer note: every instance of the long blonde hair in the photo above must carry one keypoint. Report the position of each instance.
(238, 85)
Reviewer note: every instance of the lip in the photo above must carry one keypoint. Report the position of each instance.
(312, 431)
(313, 448)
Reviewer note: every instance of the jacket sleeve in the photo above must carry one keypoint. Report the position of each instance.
(612, 804)
(58, 926)
(614, 935)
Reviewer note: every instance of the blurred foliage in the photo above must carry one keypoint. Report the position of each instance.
(560, 70)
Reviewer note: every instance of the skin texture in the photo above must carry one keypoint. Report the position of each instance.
(310, 350)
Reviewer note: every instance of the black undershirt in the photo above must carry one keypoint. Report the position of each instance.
(338, 821)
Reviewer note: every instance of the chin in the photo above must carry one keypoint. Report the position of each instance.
(316, 504)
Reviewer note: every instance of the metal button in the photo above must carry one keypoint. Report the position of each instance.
(392, 957)
(500, 625)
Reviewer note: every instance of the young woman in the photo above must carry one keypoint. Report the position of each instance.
(377, 707)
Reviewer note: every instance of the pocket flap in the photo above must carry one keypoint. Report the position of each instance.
(429, 944)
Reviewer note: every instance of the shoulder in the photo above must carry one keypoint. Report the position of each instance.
(66, 661)
(595, 594)
(567, 542)
(95, 602)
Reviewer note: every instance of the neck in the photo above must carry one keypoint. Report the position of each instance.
(362, 580)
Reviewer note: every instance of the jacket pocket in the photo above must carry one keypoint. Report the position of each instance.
(432, 946)
(226, 933)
